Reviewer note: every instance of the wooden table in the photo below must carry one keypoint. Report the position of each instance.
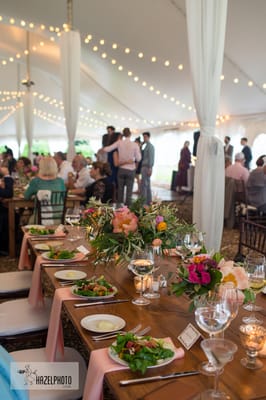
(19, 202)
(167, 316)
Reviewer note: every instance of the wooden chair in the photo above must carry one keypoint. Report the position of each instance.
(15, 284)
(50, 207)
(252, 236)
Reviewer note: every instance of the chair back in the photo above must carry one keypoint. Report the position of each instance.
(51, 207)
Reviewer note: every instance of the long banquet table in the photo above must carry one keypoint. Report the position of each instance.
(167, 317)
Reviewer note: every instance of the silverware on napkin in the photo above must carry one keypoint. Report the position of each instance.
(96, 303)
(158, 377)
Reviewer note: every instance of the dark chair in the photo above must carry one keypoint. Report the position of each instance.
(252, 236)
(50, 207)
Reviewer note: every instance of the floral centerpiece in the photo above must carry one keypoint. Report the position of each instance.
(203, 274)
(118, 232)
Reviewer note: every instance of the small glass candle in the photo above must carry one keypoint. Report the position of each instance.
(137, 283)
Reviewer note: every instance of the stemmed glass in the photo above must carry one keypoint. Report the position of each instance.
(153, 294)
(72, 216)
(230, 298)
(252, 338)
(193, 241)
(142, 264)
(212, 319)
(219, 352)
(254, 266)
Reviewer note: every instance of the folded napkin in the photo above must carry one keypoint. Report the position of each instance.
(55, 338)
(35, 295)
(100, 363)
(24, 260)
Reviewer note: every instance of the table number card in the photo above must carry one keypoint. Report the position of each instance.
(189, 336)
(82, 249)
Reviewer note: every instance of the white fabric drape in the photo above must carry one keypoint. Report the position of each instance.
(18, 121)
(206, 21)
(70, 73)
(28, 101)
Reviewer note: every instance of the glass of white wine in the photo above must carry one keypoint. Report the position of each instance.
(142, 264)
(255, 267)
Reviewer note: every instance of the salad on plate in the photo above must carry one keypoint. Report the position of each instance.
(60, 254)
(140, 353)
(94, 288)
(41, 231)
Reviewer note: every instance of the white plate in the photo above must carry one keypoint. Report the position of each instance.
(114, 356)
(94, 297)
(60, 260)
(70, 274)
(34, 226)
(41, 246)
(102, 323)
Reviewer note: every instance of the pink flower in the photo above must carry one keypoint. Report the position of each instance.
(193, 277)
(158, 219)
(124, 221)
(205, 278)
(237, 275)
(89, 211)
(156, 242)
(34, 168)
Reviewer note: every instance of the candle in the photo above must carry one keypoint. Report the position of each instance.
(137, 283)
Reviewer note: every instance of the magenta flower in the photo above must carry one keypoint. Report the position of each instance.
(193, 277)
(205, 278)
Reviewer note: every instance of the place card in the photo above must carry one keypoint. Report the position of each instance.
(189, 336)
(82, 249)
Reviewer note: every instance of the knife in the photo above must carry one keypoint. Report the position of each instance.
(40, 238)
(96, 303)
(158, 377)
(51, 264)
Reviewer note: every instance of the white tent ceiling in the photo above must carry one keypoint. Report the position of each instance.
(117, 86)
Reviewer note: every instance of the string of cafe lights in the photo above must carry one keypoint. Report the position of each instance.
(88, 38)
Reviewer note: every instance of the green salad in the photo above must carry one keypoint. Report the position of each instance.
(41, 231)
(141, 352)
(57, 254)
(94, 287)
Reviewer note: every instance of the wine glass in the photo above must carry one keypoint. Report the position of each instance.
(219, 352)
(252, 337)
(142, 264)
(230, 298)
(152, 293)
(212, 319)
(193, 241)
(254, 266)
(72, 216)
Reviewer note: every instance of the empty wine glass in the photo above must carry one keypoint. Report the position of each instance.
(142, 264)
(219, 352)
(212, 319)
(230, 298)
(254, 266)
(252, 338)
(193, 241)
(72, 216)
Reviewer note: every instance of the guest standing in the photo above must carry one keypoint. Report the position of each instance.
(147, 163)
(228, 148)
(183, 166)
(129, 154)
(246, 150)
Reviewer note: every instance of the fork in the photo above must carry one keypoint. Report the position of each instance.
(113, 335)
(105, 335)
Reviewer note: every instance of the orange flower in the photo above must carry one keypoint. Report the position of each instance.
(162, 226)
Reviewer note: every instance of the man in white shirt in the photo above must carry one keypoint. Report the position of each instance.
(78, 183)
(129, 154)
(237, 170)
(64, 166)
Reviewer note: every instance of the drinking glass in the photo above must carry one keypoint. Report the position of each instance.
(254, 266)
(252, 338)
(142, 264)
(193, 241)
(152, 293)
(212, 319)
(219, 352)
(230, 298)
(72, 216)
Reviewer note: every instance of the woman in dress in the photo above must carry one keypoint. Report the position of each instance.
(101, 188)
(46, 180)
(183, 166)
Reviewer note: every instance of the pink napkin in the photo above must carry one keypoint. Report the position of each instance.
(55, 338)
(35, 296)
(100, 364)
(24, 260)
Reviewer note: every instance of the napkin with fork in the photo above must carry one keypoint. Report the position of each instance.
(100, 363)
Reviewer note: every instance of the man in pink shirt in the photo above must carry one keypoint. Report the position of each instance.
(237, 170)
